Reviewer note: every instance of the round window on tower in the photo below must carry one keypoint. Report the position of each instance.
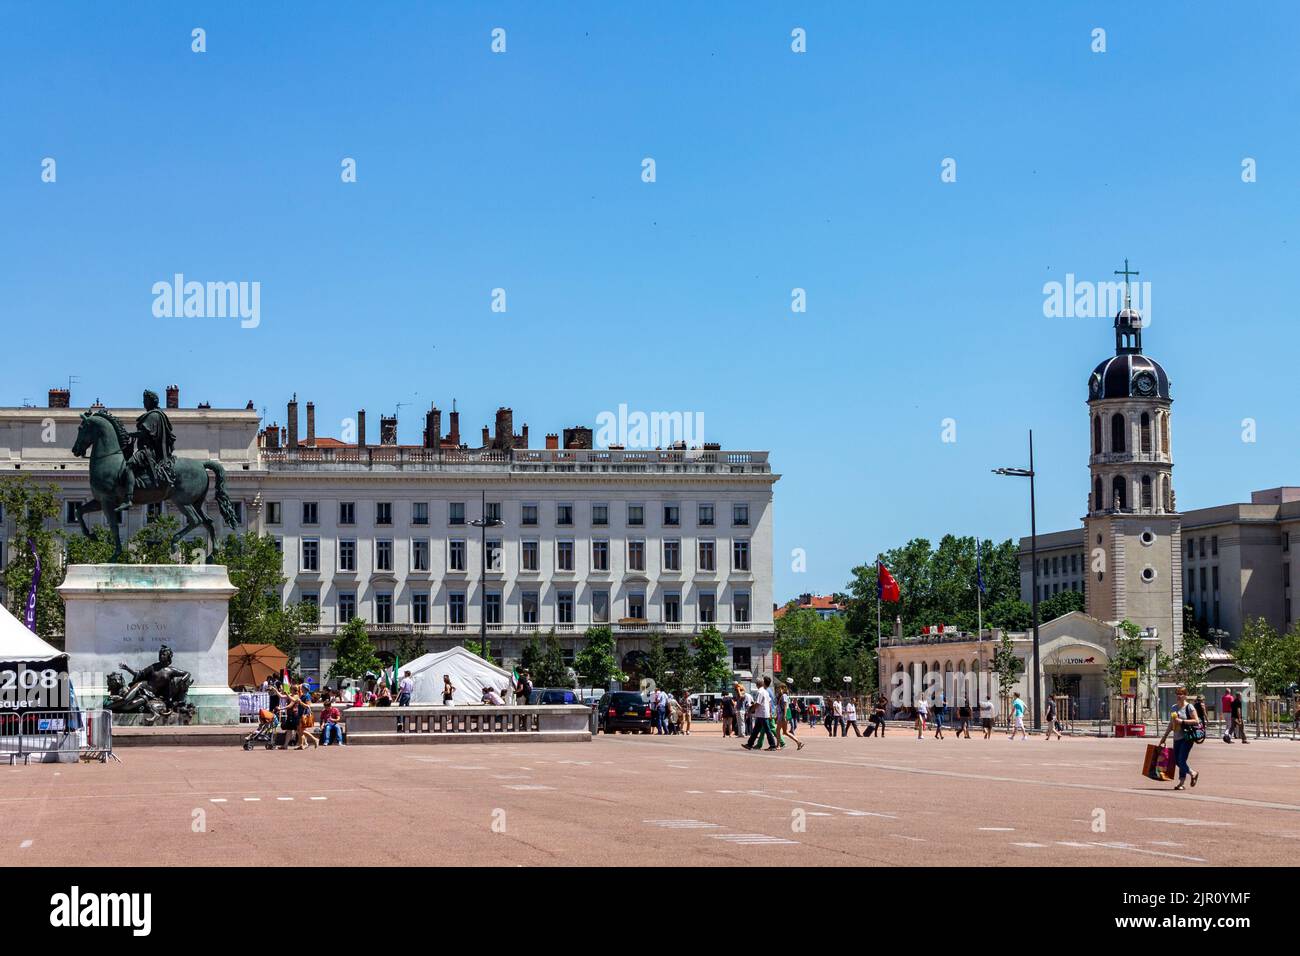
(1148, 574)
(1148, 537)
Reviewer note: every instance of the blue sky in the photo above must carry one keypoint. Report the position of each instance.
(775, 170)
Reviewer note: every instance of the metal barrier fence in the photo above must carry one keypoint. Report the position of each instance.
(57, 736)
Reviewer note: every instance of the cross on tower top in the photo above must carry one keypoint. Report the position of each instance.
(1126, 273)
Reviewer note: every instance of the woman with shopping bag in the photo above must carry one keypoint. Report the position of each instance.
(1184, 724)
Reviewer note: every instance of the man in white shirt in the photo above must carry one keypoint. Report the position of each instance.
(986, 717)
(837, 715)
(761, 717)
(404, 689)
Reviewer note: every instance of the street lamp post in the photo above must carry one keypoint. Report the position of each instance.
(484, 522)
(1033, 563)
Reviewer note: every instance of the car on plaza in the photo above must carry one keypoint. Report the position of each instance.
(554, 695)
(624, 711)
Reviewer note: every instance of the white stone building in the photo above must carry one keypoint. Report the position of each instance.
(647, 541)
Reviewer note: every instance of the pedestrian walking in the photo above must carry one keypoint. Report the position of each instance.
(938, 720)
(1225, 711)
(922, 713)
(404, 689)
(1182, 720)
(877, 717)
(1018, 718)
(729, 717)
(449, 691)
(837, 715)
(305, 719)
(1053, 725)
(785, 720)
(1238, 725)
(760, 712)
(986, 717)
(742, 710)
(963, 719)
(851, 718)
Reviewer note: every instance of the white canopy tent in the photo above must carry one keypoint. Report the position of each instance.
(469, 674)
(19, 644)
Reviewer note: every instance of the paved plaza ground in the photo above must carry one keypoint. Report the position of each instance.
(697, 800)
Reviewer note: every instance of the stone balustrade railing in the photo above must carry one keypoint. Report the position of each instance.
(469, 723)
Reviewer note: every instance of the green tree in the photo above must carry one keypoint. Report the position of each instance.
(938, 585)
(1058, 604)
(1266, 657)
(1011, 614)
(1188, 665)
(1131, 654)
(656, 660)
(711, 666)
(354, 652)
(597, 662)
(30, 506)
(152, 544)
(811, 646)
(551, 670)
(258, 614)
(1006, 665)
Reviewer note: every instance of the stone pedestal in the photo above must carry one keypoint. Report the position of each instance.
(125, 612)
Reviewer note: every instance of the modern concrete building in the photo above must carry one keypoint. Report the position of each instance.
(662, 540)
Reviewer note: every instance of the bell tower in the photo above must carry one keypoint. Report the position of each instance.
(1132, 531)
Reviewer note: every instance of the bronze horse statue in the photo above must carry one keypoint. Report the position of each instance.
(110, 445)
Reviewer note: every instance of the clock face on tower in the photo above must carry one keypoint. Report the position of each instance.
(1094, 385)
(1144, 383)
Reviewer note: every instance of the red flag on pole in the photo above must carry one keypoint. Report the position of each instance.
(887, 586)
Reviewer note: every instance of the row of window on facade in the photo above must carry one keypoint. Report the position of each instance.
(529, 514)
(1047, 590)
(530, 551)
(1060, 565)
(1119, 493)
(561, 610)
(1119, 433)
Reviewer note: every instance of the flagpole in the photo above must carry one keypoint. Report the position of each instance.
(879, 594)
(979, 595)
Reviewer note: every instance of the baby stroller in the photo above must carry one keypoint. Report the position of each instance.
(268, 724)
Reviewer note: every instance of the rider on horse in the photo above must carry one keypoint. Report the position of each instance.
(155, 445)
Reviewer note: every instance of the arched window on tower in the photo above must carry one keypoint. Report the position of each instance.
(1146, 492)
(1098, 502)
(1164, 433)
(1119, 499)
(1168, 495)
(1117, 426)
(1096, 434)
(1146, 433)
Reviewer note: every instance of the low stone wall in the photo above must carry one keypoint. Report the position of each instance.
(467, 724)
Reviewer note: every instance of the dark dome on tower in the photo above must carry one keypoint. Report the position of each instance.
(1131, 375)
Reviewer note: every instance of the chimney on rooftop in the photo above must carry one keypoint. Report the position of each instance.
(579, 436)
(311, 424)
(271, 438)
(505, 429)
(361, 428)
(433, 428)
(525, 436)
(388, 429)
(293, 421)
(173, 396)
(553, 442)
(60, 398)
(487, 437)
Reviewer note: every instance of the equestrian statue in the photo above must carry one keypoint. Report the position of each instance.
(141, 467)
